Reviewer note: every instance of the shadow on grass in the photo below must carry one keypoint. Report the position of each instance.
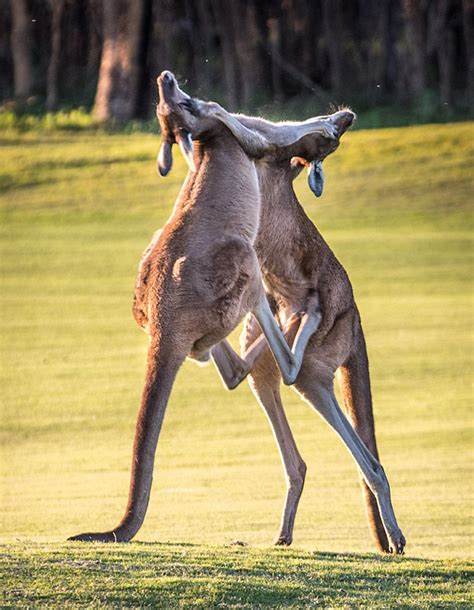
(186, 575)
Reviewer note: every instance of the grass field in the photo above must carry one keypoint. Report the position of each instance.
(77, 211)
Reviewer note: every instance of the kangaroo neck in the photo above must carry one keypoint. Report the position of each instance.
(286, 234)
(279, 204)
(223, 194)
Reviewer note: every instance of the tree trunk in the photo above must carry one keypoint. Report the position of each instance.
(203, 11)
(57, 7)
(263, 60)
(333, 34)
(116, 96)
(162, 35)
(444, 46)
(309, 40)
(246, 37)
(274, 39)
(94, 40)
(225, 26)
(21, 49)
(416, 38)
(468, 27)
(389, 42)
(445, 61)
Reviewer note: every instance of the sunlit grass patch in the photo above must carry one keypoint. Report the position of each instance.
(77, 211)
(189, 576)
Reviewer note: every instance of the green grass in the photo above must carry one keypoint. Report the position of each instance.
(77, 211)
(165, 575)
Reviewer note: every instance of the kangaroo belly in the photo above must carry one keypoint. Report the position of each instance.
(227, 285)
(203, 293)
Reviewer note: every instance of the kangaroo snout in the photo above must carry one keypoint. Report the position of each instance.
(166, 77)
(167, 86)
(169, 91)
(343, 120)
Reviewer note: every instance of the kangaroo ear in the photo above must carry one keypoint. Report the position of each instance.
(164, 160)
(316, 177)
(186, 147)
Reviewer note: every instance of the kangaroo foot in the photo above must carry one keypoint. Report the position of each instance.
(235, 381)
(232, 369)
(98, 537)
(283, 540)
(398, 543)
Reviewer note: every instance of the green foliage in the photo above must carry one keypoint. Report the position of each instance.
(77, 211)
(73, 120)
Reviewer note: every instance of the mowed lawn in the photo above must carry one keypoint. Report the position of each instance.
(77, 212)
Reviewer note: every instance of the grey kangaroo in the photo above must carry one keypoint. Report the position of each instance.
(300, 270)
(200, 275)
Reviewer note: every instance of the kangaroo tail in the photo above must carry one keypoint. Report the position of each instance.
(162, 368)
(354, 381)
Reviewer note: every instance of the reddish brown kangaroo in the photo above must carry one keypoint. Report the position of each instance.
(199, 277)
(299, 269)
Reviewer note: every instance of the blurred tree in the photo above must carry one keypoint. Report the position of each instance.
(57, 8)
(226, 32)
(246, 53)
(414, 12)
(333, 39)
(93, 20)
(21, 49)
(117, 88)
(441, 44)
(468, 30)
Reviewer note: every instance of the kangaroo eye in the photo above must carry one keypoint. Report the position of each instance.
(189, 105)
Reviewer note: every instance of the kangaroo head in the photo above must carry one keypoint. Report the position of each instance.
(176, 126)
(314, 148)
(182, 120)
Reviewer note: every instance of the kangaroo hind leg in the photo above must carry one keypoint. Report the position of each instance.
(237, 284)
(321, 397)
(230, 366)
(287, 362)
(268, 395)
(163, 365)
(233, 369)
(354, 381)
